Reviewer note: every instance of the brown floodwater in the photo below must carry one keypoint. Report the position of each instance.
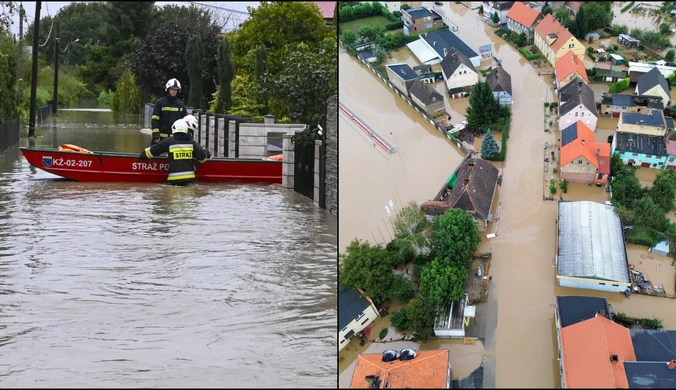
(522, 267)
(150, 285)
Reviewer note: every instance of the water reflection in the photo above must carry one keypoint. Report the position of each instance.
(143, 285)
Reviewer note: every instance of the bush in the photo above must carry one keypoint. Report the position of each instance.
(654, 323)
(505, 134)
(529, 56)
(563, 185)
(623, 320)
(394, 25)
(591, 56)
(619, 86)
(382, 334)
(106, 98)
(400, 321)
(626, 7)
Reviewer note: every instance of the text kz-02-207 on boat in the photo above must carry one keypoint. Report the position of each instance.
(76, 163)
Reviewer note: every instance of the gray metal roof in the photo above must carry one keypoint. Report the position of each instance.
(640, 143)
(403, 71)
(452, 62)
(575, 93)
(650, 79)
(350, 305)
(424, 92)
(655, 118)
(438, 40)
(591, 243)
(500, 80)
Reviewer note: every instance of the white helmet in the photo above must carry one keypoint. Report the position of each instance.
(173, 83)
(191, 121)
(179, 127)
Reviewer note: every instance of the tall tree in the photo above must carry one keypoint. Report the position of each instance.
(367, 267)
(195, 59)
(226, 73)
(598, 15)
(455, 237)
(443, 282)
(580, 25)
(261, 69)
(484, 109)
(420, 315)
(663, 190)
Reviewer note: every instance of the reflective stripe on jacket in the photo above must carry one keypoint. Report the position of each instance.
(167, 110)
(183, 151)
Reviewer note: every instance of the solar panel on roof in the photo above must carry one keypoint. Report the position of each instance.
(569, 134)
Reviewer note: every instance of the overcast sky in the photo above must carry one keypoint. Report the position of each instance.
(50, 8)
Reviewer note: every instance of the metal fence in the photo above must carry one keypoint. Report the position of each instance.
(42, 113)
(10, 132)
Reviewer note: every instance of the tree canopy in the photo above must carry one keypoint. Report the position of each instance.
(455, 237)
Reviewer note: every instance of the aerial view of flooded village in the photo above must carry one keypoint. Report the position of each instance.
(507, 195)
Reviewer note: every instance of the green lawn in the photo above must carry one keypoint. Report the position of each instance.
(354, 25)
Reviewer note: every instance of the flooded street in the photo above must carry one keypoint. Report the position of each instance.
(147, 285)
(521, 339)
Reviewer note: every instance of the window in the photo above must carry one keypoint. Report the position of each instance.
(588, 170)
(429, 25)
(577, 113)
(344, 329)
(363, 322)
(342, 341)
(616, 285)
(635, 155)
(601, 162)
(579, 161)
(582, 114)
(602, 284)
(671, 159)
(648, 156)
(427, 18)
(359, 317)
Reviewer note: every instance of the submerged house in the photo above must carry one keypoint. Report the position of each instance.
(431, 101)
(576, 103)
(402, 76)
(356, 312)
(654, 83)
(452, 318)
(472, 191)
(459, 73)
(590, 248)
(615, 104)
(426, 370)
(500, 83)
(583, 160)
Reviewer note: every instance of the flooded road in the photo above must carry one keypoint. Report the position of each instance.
(157, 286)
(523, 342)
(424, 159)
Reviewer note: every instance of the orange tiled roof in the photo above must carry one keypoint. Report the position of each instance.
(586, 149)
(429, 369)
(587, 347)
(549, 25)
(523, 14)
(568, 64)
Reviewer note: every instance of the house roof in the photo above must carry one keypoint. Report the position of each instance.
(424, 92)
(592, 35)
(654, 345)
(654, 119)
(549, 25)
(577, 140)
(453, 60)
(500, 5)
(423, 52)
(587, 350)
(671, 148)
(650, 375)
(327, 8)
(650, 79)
(574, 309)
(420, 12)
(499, 80)
(622, 100)
(574, 5)
(575, 93)
(568, 64)
(640, 143)
(403, 71)
(591, 242)
(438, 40)
(350, 305)
(477, 193)
(429, 369)
(434, 207)
(523, 14)
(670, 121)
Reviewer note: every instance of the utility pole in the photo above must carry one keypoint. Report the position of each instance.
(19, 62)
(56, 67)
(34, 75)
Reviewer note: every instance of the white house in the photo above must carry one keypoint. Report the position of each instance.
(590, 248)
(432, 47)
(499, 7)
(653, 83)
(355, 312)
(501, 84)
(459, 73)
(576, 103)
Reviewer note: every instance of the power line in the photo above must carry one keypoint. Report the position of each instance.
(217, 7)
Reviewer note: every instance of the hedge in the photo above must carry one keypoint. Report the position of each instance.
(529, 56)
(505, 134)
(394, 25)
(619, 86)
(626, 7)
(591, 56)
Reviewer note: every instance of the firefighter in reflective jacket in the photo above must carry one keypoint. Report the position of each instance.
(167, 110)
(182, 153)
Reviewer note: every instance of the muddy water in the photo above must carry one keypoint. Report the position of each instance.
(369, 179)
(156, 286)
(645, 20)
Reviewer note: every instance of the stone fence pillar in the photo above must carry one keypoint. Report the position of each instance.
(288, 156)
(318, 171)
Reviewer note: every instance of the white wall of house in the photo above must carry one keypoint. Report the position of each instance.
(502, 97)
(489, 11)
(656, 91)
(579, 113)
(396, 80)
(357, 325)
(462, 77)
(592, 284)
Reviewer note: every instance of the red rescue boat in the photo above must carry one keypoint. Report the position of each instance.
(83, 165)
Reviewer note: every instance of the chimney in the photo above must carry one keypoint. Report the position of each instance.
(598, 151)
(434, 43)
(671, 364)
(614, 358)
(640, 122)
(582, 141)
(445, 51)
(465, 182)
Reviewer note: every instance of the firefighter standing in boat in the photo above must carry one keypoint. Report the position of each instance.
(182, 150)
(167, 110)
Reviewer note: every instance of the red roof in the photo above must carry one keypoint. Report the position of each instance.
(523, 14)
(568, 64)
(428, 370)
(671, 148)
(549, 25)
(327, 8)
(585, 146)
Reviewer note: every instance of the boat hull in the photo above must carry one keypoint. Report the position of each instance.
(128, 167)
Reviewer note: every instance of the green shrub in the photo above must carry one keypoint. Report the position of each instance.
(619, 86)
(590, 55)
(654, 323)
(394, 25)
(563, 185)
(106, 98)
(626, 7)
(529, 56)
(382, 334)
(623, 320)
